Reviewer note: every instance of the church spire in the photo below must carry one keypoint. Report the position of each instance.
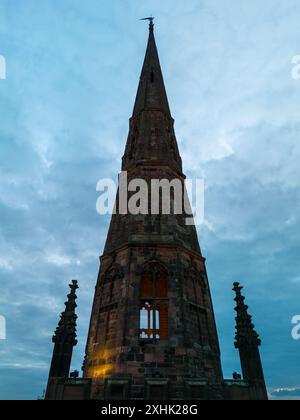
(151, 138)
(151, 93)
(151, 153)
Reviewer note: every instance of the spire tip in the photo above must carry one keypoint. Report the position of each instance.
(151, 22)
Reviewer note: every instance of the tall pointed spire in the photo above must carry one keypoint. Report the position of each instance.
(151, 138)
(151, 153)
(151, 91)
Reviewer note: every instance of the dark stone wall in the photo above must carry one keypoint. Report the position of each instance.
(152, 229)
(114, 346)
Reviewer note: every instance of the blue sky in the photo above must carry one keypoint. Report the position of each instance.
(72, 74)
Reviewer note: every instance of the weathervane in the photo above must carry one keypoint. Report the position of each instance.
(151, 19)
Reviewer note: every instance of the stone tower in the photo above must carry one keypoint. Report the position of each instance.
(152, 331)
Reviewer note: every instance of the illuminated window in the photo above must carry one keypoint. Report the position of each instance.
(154, 303)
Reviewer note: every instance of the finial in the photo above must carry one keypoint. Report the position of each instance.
(151, 24)
(74, 286)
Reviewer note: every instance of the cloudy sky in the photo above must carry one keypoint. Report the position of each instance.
(72, 74)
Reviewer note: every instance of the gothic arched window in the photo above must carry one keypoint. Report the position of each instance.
(154, 322)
